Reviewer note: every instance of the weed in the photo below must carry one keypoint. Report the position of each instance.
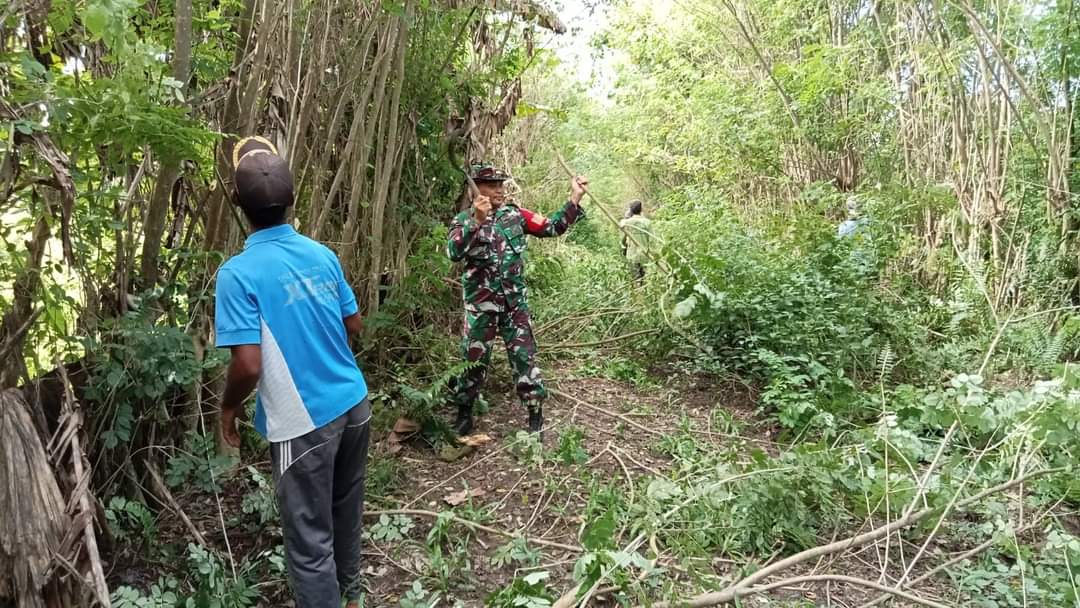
(130, 520)
(260, 500)
(516, 551)
(390, 528)
(529, 591)
(418, 597)
(198, 463)
(570, 450)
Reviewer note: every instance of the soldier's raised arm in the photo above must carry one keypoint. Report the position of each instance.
(464, 228)
(561, 220)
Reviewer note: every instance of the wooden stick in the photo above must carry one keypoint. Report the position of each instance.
(166, 495)
(96, 570)
(732, 591)
(634, 334)
(472, 524)
(813, 578)
(659, 261)
(607, 412)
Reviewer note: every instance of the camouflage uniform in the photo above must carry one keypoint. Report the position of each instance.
(496, 301)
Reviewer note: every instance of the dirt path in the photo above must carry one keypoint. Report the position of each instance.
(545, 497)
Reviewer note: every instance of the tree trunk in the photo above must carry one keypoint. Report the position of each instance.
(156, 215)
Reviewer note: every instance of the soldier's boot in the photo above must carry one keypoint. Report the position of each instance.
(464, 423)
(536, 419)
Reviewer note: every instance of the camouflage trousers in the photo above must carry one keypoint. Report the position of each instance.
(479, 333)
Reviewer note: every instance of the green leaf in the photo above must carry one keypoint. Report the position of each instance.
(536, 577)
(600, 533)
(96, 19)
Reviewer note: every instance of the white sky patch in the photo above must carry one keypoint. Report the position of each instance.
(583, 63)
(596, 68)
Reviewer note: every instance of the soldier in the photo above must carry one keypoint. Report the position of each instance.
(490, 237)
(636, 250)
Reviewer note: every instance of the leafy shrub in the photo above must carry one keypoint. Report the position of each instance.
(260, 500)
(198, 463)
(130, 520)
(570, 450)
(802, 313)
(529, 591)
(136, 371)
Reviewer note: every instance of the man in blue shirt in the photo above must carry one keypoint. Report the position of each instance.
(286, 312)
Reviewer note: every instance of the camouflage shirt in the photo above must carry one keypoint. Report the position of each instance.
(494, 277)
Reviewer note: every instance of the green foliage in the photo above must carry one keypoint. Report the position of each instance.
(418, 597)
(526, 447)
(529, 591)
(198, 463)
(137, 372)
(390, 528)
(449, 559)
(617, 368)
(516, 551)
(214, 586)
(260, 500)
(1014, 576)
(622, 568)
(383, 475)
(209, 585)
(162, 594)
(130, 520)
(570, 450)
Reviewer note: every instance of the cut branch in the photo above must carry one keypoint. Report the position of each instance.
(734, 591)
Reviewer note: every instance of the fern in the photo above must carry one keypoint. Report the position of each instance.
(886, 362)
(1053, 349)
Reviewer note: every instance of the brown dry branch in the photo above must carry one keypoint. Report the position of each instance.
(739, 588)
(167, 498)
(606, 412)
(81, 469)
(851, 580)
(612, 340)
(948, 564)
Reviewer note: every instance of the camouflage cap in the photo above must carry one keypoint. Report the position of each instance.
(487, 173)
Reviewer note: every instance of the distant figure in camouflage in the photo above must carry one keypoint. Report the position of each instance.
(490, 238)
(636, 249)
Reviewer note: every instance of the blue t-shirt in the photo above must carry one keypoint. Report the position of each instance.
(287, 293)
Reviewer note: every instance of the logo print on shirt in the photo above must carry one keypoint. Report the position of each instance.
(301, 285)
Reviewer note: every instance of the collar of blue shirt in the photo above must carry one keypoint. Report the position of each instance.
(269, 234)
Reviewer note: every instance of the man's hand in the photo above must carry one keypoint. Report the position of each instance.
(578, 186)
(229, 416)
(481, 207)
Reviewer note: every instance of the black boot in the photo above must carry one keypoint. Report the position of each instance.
(463, 424)
(536, 421)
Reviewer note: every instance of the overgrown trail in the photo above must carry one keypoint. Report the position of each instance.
(602, 437)
(848, 349)
(465, 526)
